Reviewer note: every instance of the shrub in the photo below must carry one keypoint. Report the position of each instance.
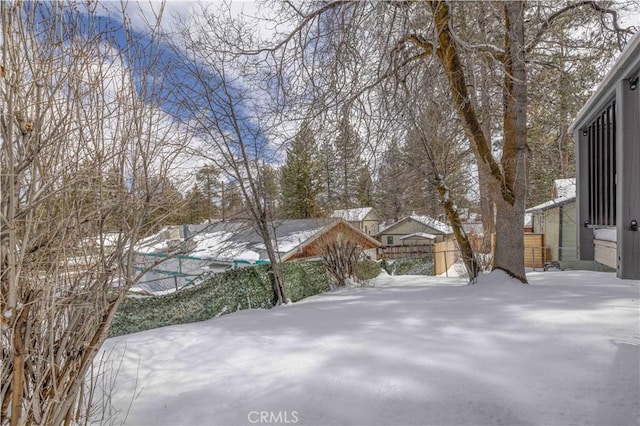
(367, 270)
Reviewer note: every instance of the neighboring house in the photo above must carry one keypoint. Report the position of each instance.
(607, 135)
(365, 218)
(556, 219)
(218, 246)
(414, 228)
(237, 242)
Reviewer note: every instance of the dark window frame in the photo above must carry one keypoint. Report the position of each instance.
(601, 148)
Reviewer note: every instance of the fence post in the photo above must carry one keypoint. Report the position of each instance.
(446, 267)
(175, 280)
(533, 258)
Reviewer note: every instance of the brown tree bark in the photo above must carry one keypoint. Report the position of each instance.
(508, 178)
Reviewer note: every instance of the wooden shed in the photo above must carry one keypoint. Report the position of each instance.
(339, 230)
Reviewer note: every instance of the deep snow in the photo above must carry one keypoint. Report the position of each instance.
(410, 351)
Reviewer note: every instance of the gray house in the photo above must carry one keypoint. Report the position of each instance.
(607, 136)
(415, 229)
(556, 219)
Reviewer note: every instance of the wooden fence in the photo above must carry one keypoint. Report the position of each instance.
(404, 252)
(536, 254)
(446, 254)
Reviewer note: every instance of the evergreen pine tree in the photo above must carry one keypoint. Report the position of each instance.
(364, 188)
(209, 183)
(391, 186)
(328, 169)
(348, 152)
(198, 207)
(299, 177)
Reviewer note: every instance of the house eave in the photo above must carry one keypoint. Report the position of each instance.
(550, 205)
(625, 66)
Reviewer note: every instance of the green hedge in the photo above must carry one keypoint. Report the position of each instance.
(219, 294)
(367, 270)
(418, 266)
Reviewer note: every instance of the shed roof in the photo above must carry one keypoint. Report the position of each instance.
(226, 241)
(565, 190)
(556, 202)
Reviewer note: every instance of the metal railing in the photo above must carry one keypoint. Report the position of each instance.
(164, 273)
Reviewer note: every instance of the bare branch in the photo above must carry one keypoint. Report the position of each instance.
(597, 6)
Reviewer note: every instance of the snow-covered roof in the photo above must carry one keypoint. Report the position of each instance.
(288, 235)
(352, 215)
(432, 223)
(419, 235)
(227, 241)
(564, 188)
(564, 191)
(556, 202)
(365, 241)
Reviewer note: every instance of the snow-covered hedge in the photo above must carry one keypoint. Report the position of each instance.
(219, 294)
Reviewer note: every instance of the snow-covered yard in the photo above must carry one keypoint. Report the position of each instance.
(411, 351)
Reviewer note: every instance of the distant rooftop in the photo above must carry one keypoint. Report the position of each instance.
(425, 220)
(433, 223)
(352, 215)
(226, 241)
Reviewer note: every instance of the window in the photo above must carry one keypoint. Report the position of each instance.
(601, 142)
(390, 240)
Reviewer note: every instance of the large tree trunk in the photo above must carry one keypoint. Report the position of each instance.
(509, 248)
(276, 275)
(487, 205)
(507, 179)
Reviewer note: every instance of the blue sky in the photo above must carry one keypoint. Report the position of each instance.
(140, 48)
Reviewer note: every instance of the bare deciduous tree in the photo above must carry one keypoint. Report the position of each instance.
(220, 101)
(438, 150)
(338, 51)
(84, 151)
